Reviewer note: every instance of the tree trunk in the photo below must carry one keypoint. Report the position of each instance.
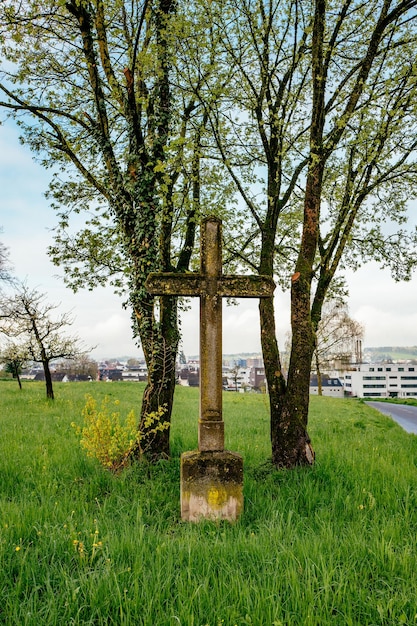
(291, 445)
(48, 380)
(272, 363)
(16, 375)
(288, 410)
(157, 405)
(160, 345)
(318, 371)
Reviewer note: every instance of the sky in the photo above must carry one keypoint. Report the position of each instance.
(388, 310)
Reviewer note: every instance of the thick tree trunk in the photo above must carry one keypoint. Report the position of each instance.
(288, 409)
(157, 405)
(291, 445)
(288, 399)
(272, 363)
(160, 346)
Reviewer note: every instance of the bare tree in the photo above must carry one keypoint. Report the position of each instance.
(26, 315)
(336, 337)
(81, 368)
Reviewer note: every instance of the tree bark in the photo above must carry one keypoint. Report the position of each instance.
(274, 376)
(319, 378)
(291, 445)
(288, 409)
(160, 349)
(16, 374)
(48, 380)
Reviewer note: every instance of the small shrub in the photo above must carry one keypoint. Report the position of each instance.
(105, 437)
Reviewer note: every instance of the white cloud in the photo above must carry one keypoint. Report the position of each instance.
(111, 335)
(399, 329)
(387, 309)
(241, 327)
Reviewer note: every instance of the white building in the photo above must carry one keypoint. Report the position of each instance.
(238, 378)
(330, 386)
(382, 380)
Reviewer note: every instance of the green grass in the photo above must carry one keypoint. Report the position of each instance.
(335, 544)
(409, 401)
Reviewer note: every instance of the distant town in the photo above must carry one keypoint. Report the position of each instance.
(379, 373)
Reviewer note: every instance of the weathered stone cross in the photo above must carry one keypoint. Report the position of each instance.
(211, 286)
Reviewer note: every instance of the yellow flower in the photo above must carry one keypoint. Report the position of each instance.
(17, 548)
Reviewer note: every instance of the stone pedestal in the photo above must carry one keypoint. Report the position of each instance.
(211, 486)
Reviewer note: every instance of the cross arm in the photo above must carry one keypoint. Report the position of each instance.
(172, 284)
(246, 286)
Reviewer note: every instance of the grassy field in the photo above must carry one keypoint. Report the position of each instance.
(409, 401)
(336, 544)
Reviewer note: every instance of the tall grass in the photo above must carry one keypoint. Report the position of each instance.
(335, 544)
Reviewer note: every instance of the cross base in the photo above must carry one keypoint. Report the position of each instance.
(211, 486)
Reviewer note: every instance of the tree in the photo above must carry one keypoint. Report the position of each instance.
(234, 374)
(337, 336)
(314, 118)
(133, 362)
(29, 318)
(80, 368)
(14, 358)
(90, 84)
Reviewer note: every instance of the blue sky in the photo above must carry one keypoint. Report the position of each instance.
(387, 309)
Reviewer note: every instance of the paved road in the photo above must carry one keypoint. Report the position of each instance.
(405, 416)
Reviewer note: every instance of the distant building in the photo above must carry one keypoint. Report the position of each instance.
(236, 378)
(237, 362)
(257, 378)
(188, 374)
(110, 374)
(330, 386)
(382, 380)
(255, 361)
(233, 378)
(135, 373)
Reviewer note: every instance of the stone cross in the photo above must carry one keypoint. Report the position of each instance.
(211, 285)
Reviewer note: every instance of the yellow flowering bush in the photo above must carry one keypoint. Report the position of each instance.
(105, 437)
